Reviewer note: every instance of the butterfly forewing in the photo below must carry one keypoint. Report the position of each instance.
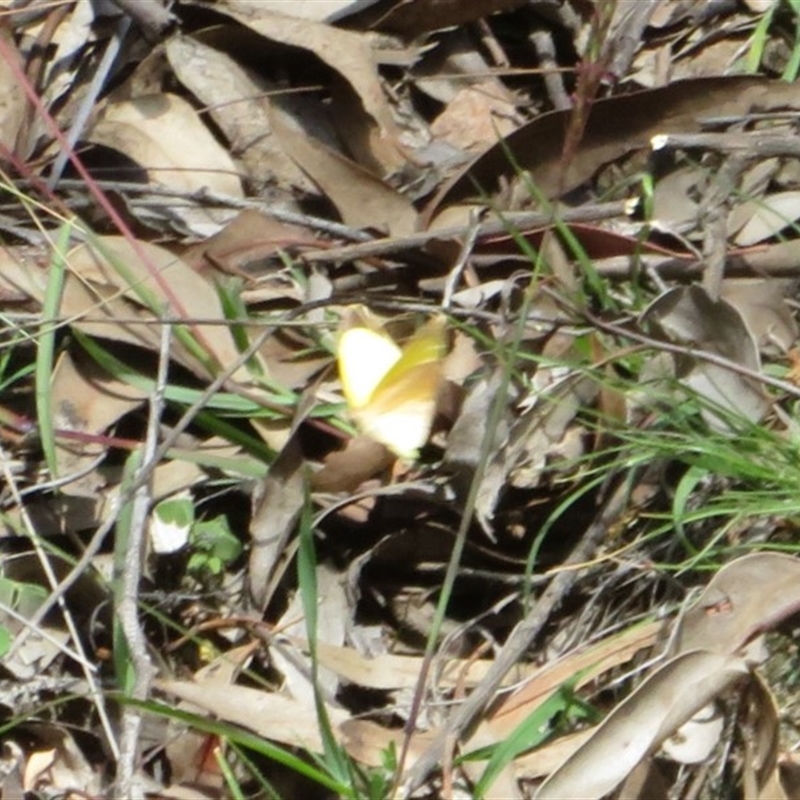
(426, 346)
(365, 357)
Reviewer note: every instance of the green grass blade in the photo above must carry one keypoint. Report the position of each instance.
(45, 349)
(335, 758)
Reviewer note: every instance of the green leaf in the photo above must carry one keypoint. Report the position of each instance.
(215, 538)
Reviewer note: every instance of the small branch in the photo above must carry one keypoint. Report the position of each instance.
(89, 102)
(542, 42)
(492, 227)
(702, 355)
(750, 145)
(128, 606)
(517, 644)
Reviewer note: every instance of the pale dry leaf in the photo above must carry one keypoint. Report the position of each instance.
(696, 739)
(42, 645)
(60, 765)
(638, 725)
(546, 759)
(238, 101)
(368, 742)
(475, 118)
(165, 136)
(760, 6)
(104, 289)
(187, 748)
(347, 52)
(761, 733)
(674, 198)
(762, 304)
(12, 98)
(455, 62)
(588, 662)
(668, 13)
(686, 315)
(273, 716)
(388, 671)
(363, 200)
(647, 781)
(294, 665)
(252, 238)
(711, 55)
(277, 503)
(743, 599)
(86, 400)
(756, 220)
(525, 442)
(62, 513)
(70, 42)
(171, 477)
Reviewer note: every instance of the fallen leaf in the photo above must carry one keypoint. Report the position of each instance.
(164, 135)
(688, 316)
(639, 724)
(677, 108)
(361, 198)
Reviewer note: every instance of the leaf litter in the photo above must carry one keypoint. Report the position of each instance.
(582, 584)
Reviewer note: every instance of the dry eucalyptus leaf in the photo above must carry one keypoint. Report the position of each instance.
(58, 763)
(762, 304)
(71, 45)
(760, 6)
(273, 716)
(677, 108)
(756, 220)
(361, 198)
(521, 447)
(164, 134)
(696, 739)
(86, 400)
(103, 297)
(638, 725)
(238, 101)
(347, 52)
(388, 671)
(345, 470)
(334, 614)
(686, 315)
(368, 742)
(12, 98)
(675, 202)
(588, 662)
(745, 598)
(760, 726)
(277, 503)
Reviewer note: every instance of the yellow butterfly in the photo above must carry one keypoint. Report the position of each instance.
(391, 391)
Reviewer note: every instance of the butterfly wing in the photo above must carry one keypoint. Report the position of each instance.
(364, 356)
(402, 405)
(401, 411)
(427, 346)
